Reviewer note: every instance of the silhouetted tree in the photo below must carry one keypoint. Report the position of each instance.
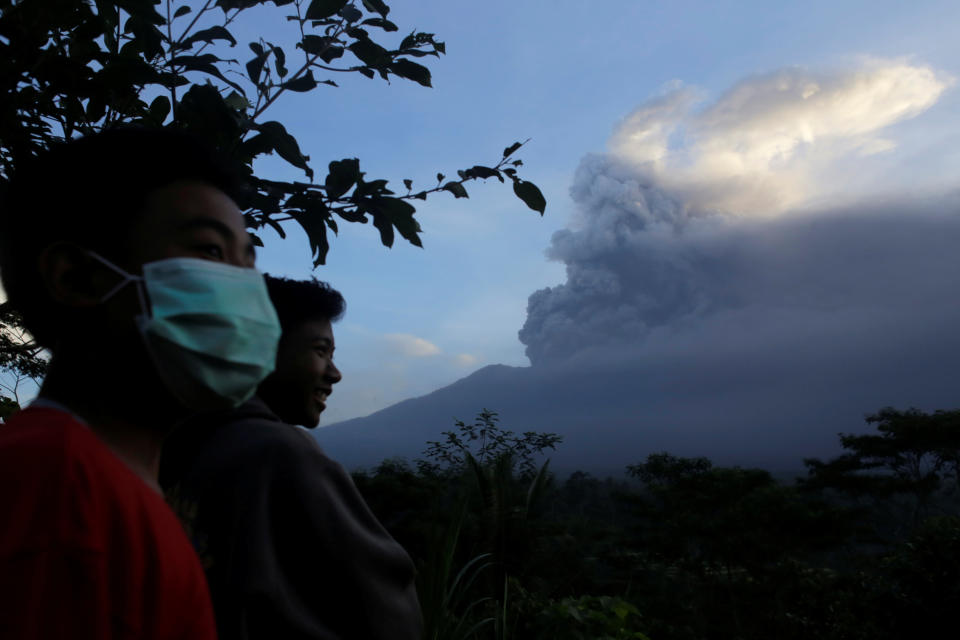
(915, 455)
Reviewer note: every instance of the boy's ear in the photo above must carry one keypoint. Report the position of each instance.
(71, 277)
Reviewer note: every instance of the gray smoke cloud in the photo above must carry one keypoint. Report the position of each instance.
(653, 269)
(638, 261)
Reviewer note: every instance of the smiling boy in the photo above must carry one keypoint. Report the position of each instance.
(129, 261)
(292, 549)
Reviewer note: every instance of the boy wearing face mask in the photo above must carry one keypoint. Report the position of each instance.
(292, 549)
(129, 261)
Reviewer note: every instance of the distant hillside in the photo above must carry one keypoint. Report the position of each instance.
(617, 416)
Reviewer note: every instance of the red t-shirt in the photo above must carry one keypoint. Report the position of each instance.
(87, 549)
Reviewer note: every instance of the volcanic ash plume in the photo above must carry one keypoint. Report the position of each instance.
(690, 231)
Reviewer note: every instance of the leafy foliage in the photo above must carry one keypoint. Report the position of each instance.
(443, 592)
(21, 358)
(19, 353)
(484, 443)
(924, 573)
(684, 550)
(586, 617)
(914, 454)
(8, 407)
(74, 67)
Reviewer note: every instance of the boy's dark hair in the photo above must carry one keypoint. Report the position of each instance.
(299, 301)
(89, 191)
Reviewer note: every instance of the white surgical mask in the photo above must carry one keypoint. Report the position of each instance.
(209, 327)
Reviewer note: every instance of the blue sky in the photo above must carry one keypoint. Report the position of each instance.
(564, 74)
(569, 75)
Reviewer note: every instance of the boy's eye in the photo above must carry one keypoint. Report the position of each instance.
(214, 251)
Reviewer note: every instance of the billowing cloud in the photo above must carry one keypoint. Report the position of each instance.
(465, 360)
(768, 143)
(653, 269)
(411, 346)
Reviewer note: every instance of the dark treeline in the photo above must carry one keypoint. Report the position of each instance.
(866, 545)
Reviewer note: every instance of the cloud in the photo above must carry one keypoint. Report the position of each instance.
(411, 346)
(768, 143)
(465, 360)
(654, 273)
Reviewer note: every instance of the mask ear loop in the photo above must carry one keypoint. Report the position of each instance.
(127, 279)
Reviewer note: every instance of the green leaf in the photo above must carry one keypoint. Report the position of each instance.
(302, 83)
(408, 184)
(530, 194)
(159, 109)
(204, 111)
(401, 215)
(367, 72)
(320, 9)
(331, 54)
(146, 37)
(370, 53)
(377, 5)
(274, 135)
(205, 63)
(209, 36)
(343, 175)
(386, 25)
(456, 189)
(351, 13)
(411, 71)
(276, 227)
(390, 213)
(482, 172)
(351, 215)
(313, 222)
(511, 149)
(96, 109)
(236, 101)
(182, 11)
(383, 225)
(279, 60)
(323, 47)
(314, 44)
(374, 187)
(255, 67)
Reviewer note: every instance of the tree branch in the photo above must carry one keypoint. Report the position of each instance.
(303, 36)
(173, 89)
(306, 65)
(174, 45)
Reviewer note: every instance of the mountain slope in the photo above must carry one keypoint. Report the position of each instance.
(743, 413)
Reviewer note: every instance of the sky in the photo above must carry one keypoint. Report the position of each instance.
(687, 98)
(703, 164)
